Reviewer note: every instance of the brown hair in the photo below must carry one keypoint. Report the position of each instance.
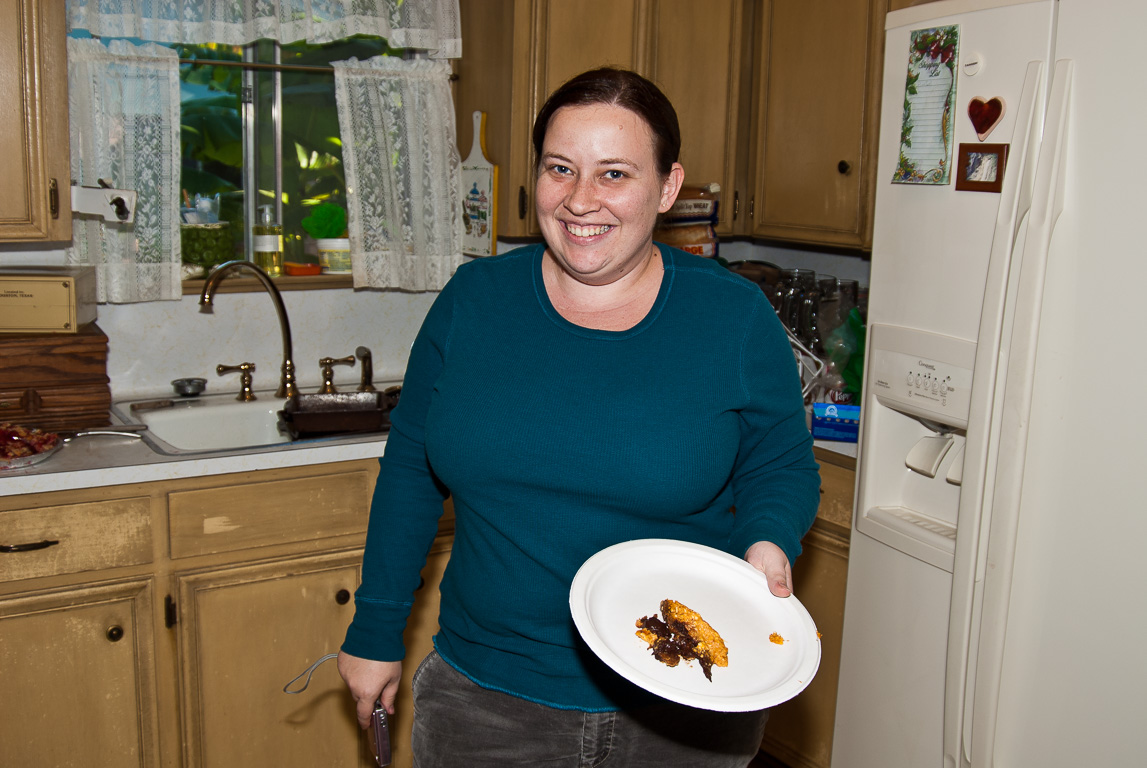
(622, 88)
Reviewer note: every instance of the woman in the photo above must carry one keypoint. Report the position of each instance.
(571, 395)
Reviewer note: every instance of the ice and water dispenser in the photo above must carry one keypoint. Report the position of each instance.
(916, 403)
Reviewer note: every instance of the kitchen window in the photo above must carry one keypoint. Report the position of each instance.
(211, 132)
(260, 127)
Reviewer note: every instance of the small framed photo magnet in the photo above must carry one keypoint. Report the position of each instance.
(980, 167)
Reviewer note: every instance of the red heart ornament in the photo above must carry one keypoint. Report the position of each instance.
(985, 115)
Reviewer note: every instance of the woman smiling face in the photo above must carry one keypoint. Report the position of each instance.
(599, 192)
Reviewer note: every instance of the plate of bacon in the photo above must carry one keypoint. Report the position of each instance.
(22, 447)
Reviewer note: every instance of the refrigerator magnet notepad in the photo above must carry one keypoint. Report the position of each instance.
(479, 203)
(927, 127)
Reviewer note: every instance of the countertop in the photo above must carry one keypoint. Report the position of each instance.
(91, 462)
(844, 449)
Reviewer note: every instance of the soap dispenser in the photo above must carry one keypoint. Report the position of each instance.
(268, 243)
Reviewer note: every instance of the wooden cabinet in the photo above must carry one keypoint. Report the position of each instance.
(244, 631)
(420, 630)
(799, 732)
(79, 679)
(698, 55)
(35, 204)
(516, 52)
(778, 100)
(816, 119)
(163, 622)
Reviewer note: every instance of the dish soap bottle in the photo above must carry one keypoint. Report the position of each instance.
(268, 243)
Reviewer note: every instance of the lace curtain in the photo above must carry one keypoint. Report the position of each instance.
(123, 103)
(396, 118)
(430, 25)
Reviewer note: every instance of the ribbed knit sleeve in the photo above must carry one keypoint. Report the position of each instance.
(407, 502)
(776, 481)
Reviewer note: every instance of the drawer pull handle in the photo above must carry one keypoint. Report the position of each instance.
(342, 597)
(115, 634)
(29, 547)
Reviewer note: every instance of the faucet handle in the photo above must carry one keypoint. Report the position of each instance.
(245, 379)
(328, 363)
(362, 353)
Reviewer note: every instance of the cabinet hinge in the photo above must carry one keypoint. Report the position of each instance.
(170, 616)
(247, 94)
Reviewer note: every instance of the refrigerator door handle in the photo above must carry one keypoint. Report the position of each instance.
(1047, 204)
(975, 512)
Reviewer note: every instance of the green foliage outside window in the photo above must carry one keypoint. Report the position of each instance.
(212, 131)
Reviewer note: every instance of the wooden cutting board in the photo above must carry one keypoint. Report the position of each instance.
(479, 196)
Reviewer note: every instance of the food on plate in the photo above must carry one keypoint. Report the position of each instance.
(17, 442)
(775, 638)
(683, 634)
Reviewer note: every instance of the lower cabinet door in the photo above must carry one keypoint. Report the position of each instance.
(245, 632)
(76, 674)
(419, 640)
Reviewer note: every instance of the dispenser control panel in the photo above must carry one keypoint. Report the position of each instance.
(932, 387)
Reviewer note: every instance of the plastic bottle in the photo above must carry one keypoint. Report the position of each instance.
(267, 243)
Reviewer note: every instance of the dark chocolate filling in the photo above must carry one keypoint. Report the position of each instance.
(673, 643)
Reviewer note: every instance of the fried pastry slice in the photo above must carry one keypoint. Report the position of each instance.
(683, 635)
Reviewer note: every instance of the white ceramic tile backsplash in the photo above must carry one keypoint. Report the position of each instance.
(151, 344)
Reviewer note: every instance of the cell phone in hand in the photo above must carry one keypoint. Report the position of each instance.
(378, 733)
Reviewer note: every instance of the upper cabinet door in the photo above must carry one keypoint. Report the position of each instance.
(696, 54)
(568, 39)
(815, 121)
(35, 204)
(515, 53)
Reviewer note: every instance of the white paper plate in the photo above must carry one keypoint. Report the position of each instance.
(622, 583)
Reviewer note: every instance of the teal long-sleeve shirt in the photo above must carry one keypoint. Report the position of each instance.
(556, 441)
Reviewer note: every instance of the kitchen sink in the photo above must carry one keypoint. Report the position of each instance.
(220, 423)
(207, 423)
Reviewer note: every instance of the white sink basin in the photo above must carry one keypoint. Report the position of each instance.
(207, 422)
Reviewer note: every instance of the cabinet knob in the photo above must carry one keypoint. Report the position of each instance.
(342, 597)
(115, 633)
(843, 167)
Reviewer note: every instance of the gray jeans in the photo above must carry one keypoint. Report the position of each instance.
(458, 724)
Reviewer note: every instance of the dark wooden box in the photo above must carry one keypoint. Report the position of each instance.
(55, 381)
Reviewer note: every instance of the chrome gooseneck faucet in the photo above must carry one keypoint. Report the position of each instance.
(287, 386)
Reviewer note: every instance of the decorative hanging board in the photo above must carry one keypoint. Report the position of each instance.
(929, 107)
(479, 198)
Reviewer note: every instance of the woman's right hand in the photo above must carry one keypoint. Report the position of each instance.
(370, 681)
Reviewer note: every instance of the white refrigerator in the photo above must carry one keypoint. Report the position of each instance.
(996, 607)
